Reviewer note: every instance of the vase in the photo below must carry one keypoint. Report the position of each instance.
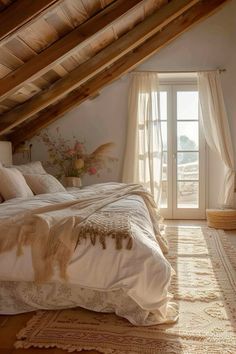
(73, 182)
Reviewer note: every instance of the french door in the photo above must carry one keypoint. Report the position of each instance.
(183, 175)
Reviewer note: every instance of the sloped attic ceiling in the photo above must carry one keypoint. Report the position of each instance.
(54, 54)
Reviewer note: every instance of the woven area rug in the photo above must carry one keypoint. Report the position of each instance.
(204, 288)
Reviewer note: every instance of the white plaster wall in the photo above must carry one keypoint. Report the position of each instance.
(208, 45)
(96, 121)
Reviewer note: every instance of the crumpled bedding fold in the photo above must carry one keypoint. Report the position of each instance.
(53, 231)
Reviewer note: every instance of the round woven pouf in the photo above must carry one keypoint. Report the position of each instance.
(221, 218)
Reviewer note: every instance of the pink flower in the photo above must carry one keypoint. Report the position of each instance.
(71, 152)
(92, 170)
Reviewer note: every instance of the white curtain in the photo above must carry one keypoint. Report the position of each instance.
(143, 155)
(216, 129)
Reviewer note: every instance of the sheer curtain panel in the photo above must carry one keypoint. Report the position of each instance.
(216, 129)
(143, 155)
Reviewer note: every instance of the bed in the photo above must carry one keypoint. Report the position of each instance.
(120, 268)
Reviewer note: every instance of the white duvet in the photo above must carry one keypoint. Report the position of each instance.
(140, 276)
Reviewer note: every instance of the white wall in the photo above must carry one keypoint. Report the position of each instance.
(208, 45)
(96, 121)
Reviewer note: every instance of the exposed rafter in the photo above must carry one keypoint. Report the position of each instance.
(98, 63)
(41, 63)
(198, 12)
(19, 13)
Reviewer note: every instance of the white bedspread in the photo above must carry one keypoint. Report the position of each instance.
(143, 274)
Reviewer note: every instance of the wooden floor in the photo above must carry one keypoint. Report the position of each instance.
(11, 325)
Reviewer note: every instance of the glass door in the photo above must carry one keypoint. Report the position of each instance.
(183, 181)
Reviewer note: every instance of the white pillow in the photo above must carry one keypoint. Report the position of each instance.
(31, 168)
(13, 184)
(41, 184)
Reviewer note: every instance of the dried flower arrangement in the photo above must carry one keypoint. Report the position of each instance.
(71, 158)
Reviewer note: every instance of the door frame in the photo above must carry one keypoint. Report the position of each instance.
(172, 212)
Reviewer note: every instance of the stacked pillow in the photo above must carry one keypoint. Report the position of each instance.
(35, 167)
(26, 180)
(13, 184)
(41, 184)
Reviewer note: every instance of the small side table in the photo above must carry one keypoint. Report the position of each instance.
(221, 218)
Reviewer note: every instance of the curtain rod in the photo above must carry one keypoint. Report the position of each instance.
(177, 72)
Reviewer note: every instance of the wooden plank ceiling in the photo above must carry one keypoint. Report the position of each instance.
(54, 54)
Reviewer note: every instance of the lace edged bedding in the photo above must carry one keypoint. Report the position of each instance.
(129, 255)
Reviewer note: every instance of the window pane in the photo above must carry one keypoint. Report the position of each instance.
(164, 135)
(187, 136)
(164, 167)
(187, 194)
(187, 105)
(163, 105)
(188, 165)
(164, 195)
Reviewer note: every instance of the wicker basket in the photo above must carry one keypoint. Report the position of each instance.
(221, 219)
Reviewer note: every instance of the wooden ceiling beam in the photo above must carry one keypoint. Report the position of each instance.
(19, 13)
(197, 13)
(96, 64)
(44, 61)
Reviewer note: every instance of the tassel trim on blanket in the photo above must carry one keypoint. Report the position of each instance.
(54, 231)
(101, 225)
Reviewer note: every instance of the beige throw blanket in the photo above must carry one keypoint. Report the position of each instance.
(107, 224)
(54, 231)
